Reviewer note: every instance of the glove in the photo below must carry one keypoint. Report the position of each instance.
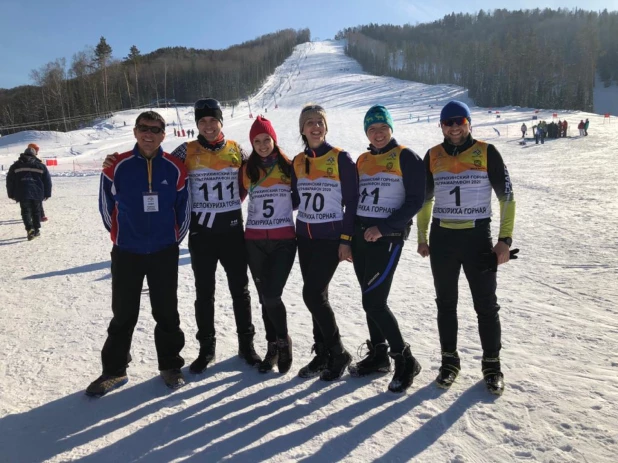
(489, 260)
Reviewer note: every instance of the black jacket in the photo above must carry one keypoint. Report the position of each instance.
(28, 178)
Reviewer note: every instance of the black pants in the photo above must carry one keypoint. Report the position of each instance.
(31, 213)
(270, 262)
(207, 250)
(318, 261)
(161, 272)
(449, 251)
(375, 264)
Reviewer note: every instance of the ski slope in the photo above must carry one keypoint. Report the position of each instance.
(559, 308)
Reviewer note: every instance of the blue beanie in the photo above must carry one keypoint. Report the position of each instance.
(378, 114)
(455, 109)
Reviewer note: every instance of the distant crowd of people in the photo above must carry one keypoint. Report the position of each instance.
(558, 129)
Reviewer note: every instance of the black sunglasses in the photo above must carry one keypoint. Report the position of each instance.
(313, 107)
(149, 128)
(454, 120)
(209, 103)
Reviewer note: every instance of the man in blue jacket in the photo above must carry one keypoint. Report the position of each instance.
(143, 200)
(28, 182)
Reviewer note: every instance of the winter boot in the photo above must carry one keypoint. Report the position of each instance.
(104, 384)
(173, 378)
(270, 359)
(376, 360)
(338, 361)
(30, 235)
(207, 355)
(246, 349)
(37, 233)
(449, 370)
(406, 368)
(284, 349)
(494, 379)
(317, 364)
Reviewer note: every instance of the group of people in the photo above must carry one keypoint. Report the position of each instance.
(29, 183)
(149, 201)
(583, 128)
(181, 133)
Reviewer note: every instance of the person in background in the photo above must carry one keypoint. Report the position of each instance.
(29, 183)
(581, 128)
(270, 236)
(391, 192)
(524, 129)
(36, 148)
(144, 204)
(325, 190)
(461, 173)
(586, 125)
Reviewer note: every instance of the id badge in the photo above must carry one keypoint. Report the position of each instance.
(252, 208)
(151, 202)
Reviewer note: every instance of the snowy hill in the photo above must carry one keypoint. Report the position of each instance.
(559, 308)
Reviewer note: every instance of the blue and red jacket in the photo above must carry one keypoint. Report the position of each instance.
(121, 201)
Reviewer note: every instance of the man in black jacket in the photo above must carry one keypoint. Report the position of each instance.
(28, 182)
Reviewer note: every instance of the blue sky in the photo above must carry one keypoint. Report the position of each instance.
(33, 33)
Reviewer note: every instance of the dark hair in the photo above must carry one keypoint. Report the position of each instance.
(254, 166)
(151, 116)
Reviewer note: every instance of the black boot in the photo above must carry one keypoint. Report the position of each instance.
(406, 368)
(376, 361)
(494, 379)
(338, 361)
(284, 349)
(173, 378)
(317, 364)
(246, 350)
(449, 370)
(207, 355)
(270, 359)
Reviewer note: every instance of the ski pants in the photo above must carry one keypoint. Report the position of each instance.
(207, 249)
(450, 250)
(375, 264)
(31, 213)
(318, 261)
(128, 272)
(270, 262)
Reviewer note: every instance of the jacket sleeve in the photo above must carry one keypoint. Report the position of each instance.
(106, 198)
(424, 216)
(10, 184)
(501, 184)
(241, 184)
(183, 203)
(295, 196)
(349, 191)
(413, 177)
(180, 152)
(47, 183)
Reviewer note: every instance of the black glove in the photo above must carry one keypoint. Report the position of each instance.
(489, 260)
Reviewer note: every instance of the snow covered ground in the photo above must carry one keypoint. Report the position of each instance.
(559, 309)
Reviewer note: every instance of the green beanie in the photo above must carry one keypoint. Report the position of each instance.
(378, 114)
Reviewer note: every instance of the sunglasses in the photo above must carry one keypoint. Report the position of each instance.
(454, 120)
(313, 107)
(209, 103)
(149, 128)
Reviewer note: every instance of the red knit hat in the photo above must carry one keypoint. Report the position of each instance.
(34, 146)
(260, 126)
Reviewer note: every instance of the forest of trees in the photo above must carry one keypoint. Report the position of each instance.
(533, 58)
(95, 83)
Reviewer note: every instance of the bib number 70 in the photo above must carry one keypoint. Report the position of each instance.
(317, 203)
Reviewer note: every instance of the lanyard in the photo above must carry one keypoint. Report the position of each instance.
(149, 166)
(253, 186)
